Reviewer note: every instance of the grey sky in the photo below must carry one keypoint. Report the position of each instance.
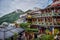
(7, 6)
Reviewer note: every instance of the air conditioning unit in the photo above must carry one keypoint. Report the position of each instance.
(40, 23)
(48, 14)
(54, 14)
(43, 23)
(50, 23)
(40, 15)
(58, 14)
(47, 23)
(45, 15)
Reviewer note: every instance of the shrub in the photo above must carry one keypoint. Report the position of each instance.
(15, 36)
(47, 37)
(24, 25)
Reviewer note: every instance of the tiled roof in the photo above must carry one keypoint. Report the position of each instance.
(54, 4)
(57, 2)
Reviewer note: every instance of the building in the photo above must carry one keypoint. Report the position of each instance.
(9, 31)
(22, 19)
(48, 18)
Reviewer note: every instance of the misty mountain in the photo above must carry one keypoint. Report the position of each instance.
(11, 17)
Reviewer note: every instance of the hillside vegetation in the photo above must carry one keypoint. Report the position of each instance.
(11, 17)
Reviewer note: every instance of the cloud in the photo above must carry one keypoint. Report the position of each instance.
(7, 6)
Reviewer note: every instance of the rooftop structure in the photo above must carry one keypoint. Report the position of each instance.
(8, 31)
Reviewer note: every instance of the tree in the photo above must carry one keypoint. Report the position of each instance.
(56, 31)
(8, 39)
(24, 25)
(47, 37)
(47, 31)
(15, 36)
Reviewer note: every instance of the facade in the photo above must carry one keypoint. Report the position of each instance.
(48, 18)
(22, 19)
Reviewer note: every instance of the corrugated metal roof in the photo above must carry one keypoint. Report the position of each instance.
(9, 31)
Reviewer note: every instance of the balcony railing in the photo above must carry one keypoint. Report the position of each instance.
(45, 23)
(46, 15)
(42, 23)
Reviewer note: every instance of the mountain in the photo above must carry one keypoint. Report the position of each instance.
(11, 17)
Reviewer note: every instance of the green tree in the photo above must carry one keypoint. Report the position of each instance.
(8, 39)
(24, 25)
(15, 36)
(56, 31)
(47, 37)
(47, 31)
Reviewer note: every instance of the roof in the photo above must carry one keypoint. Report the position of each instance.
(55, 3)
(9, 31)
(23, 15)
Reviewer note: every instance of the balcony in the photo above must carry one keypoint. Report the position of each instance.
(49, 23)
(45, 15)
(43, 23)
(55, 14)
(58, 14)
(58, 23)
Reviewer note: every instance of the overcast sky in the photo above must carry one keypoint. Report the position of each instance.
(7, 6)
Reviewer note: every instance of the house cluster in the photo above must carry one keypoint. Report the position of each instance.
(48, 18)
(21, 19)
(10, 31)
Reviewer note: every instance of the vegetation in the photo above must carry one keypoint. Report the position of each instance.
(8, 39)
(11, 17)
(56, 31)
(47, 31)
(47, 37)
(31, 30)
(15, 36)
(24, 25)
(27, 28)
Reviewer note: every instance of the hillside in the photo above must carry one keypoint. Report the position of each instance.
(11, 17)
